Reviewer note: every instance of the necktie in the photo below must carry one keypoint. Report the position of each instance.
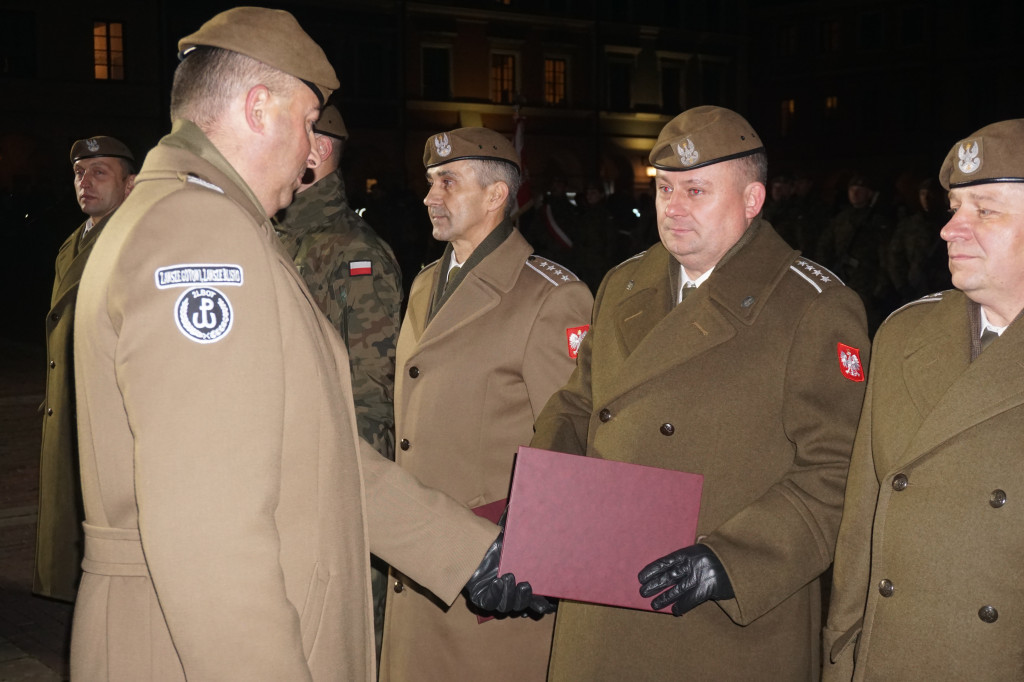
(688, 288)
(987, 337)
(452, 271)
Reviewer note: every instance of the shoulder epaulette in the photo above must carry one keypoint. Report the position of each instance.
(818, 276)
(550, 270)
(930, 298)
(196, 180)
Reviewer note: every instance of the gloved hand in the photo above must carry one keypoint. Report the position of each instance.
(494, 594)
(692, 575)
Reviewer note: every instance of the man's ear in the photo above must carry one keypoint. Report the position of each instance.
(753, 199)
(324, 146)
(497, 195)
(257, 101)
(129, 186)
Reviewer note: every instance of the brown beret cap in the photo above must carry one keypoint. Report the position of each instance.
(331, 123)
(100, 146)
(469, 143)
(702, 136)
(993, 154)
(271, 36)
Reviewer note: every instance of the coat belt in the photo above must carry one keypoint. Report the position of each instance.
(113, 551)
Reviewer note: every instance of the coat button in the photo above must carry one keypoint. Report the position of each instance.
(399, 586)
(604, 415)
(414, 372)
(404, 444)
(667, 429)
(49, 412)
(54, 316)
(997, 500)
(52, 364)
(899, 482)
(988, 614)
(886, 588)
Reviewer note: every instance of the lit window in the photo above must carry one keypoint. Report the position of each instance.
(503, 78)
(832, 103)
(108, 50)
(554, 81)
(787, 111)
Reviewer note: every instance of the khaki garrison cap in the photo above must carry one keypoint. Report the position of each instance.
(271, 36)
(469, 143)
(702, 136)
(993, 154)
(101, 145)
(331, 123)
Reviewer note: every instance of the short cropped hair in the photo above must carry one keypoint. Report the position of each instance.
(208, 79)
(753, 168)
(490, 171)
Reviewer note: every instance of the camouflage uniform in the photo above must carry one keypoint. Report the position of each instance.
(330, 244)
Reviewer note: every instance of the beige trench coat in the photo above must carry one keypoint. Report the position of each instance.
(230, 507)
(928, 564)
(59, 530)
(742, 383)
(468, 386)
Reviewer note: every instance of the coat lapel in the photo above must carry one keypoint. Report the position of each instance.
(964, 395)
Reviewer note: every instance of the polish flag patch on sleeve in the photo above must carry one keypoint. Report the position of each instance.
(360, 267)
(849, 362)
(575, 336)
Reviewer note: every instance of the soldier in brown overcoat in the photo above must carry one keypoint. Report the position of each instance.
(720, 351)
(230, 506)
(482, 348)
(927, 575)
(104, 170)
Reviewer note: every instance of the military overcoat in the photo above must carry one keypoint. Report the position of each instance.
(927, 575)
(59, 529)
(230, 506)
(471, 380)
(745, 382)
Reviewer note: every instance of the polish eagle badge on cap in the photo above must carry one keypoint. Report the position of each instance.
(92, 145)
(443, 146)
(970, 157)
(688, 154)
(849, 362)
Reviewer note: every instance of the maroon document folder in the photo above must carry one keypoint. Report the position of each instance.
(582, 528)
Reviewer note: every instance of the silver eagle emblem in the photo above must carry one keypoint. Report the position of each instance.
(92, 145)
(688, 155)
(442, 145)
(969, 161)
(851, 364)
(575, 339)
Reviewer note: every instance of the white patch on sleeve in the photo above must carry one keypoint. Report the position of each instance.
(203, 315)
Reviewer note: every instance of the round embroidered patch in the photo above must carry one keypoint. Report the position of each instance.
(203, 314)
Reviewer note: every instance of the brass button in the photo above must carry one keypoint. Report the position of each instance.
(414, 372)
(404, 444)
(899, 482)
(604, 415)
(886, 588)
(667, 429)
(998, 498)
(988, 614)
(399, 586)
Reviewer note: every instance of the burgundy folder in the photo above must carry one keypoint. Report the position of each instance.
(582, 528)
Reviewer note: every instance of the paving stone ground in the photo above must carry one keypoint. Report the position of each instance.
(34, 632)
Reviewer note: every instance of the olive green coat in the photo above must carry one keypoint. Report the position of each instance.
(59, 529)
(741, 382)
(230, 506)
(471, 380)
(934, 507)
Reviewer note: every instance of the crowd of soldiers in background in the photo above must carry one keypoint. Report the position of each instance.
(881, 240)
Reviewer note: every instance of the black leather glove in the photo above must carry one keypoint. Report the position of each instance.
(489, 592)
(690, 577)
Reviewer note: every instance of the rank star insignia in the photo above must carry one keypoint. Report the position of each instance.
(849, 362)
(970, 158)
(575, 336)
